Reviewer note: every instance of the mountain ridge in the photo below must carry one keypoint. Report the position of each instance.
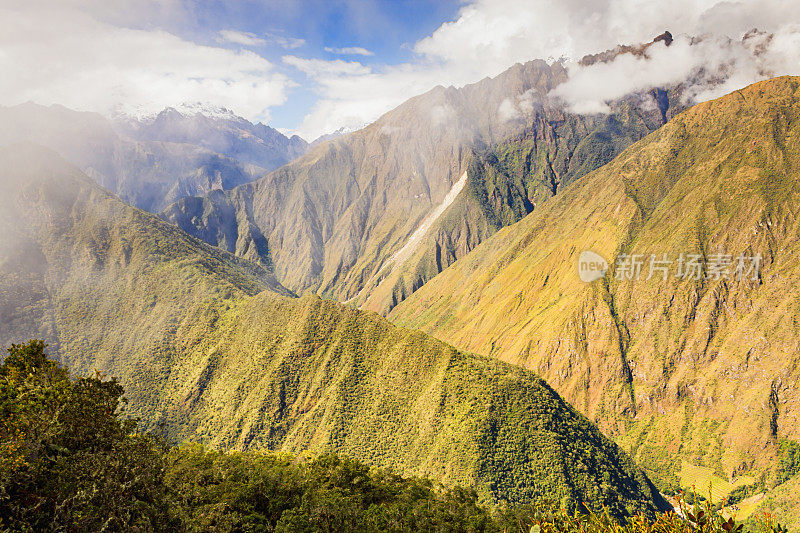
(170, 159)
(646, 359)
(210, 347)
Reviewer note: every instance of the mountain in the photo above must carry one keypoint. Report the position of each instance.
(370, 216)
(151, 164)
(210, 347)
(702, 369)
(344, 130)
(218, 130)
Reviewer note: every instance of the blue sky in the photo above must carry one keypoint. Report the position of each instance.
(311, 67)
(385, 29)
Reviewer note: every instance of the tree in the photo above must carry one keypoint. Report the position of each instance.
(68, 459)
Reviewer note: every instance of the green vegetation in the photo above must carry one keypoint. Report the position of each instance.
(678, 369)
(789, 455)
(211, 349)
(780, 503)
(707, 482)
(70, 460)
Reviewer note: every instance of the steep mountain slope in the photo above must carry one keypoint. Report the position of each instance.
(212, 347)
(72, 251)
(167, 161)
(510, 179)
(704, 369)
(334, 220)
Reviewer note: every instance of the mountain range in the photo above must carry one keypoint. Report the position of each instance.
(153, 161)
(369, 217)
(414, 294)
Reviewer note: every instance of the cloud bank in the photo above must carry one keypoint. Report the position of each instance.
(66, 56)
(709, 66)
(103, 56)
(489, 36)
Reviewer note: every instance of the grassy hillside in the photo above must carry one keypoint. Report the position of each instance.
(71, 462)
(214, 349)
(697, 369)
(781, 503)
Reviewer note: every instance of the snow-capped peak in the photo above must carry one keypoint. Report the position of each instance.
(186, 109)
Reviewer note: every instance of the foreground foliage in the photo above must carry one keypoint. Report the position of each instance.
(70, 461)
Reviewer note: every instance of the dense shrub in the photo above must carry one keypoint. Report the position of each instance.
(71, 461)
(789, 453)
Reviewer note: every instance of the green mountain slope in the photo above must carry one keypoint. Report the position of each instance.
(213, 348)
(703, 369)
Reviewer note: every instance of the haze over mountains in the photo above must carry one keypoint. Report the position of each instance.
(153, 161)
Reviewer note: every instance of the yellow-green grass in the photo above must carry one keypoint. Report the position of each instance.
(716, 355)
(704, 482)
(745, 508)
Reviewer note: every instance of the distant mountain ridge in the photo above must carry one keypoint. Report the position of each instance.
(332, 221)
(218, 130)
(154, 162)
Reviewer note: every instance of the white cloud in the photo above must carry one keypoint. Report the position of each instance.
(349, 50)
(67, 56)
(320, 69)
(289, 43)
(589, 88)
(488, 36)
(241, 37)
(703, 63)
(442, 115)
(508, 111)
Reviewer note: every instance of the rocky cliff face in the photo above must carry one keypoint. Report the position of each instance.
(704, 368)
